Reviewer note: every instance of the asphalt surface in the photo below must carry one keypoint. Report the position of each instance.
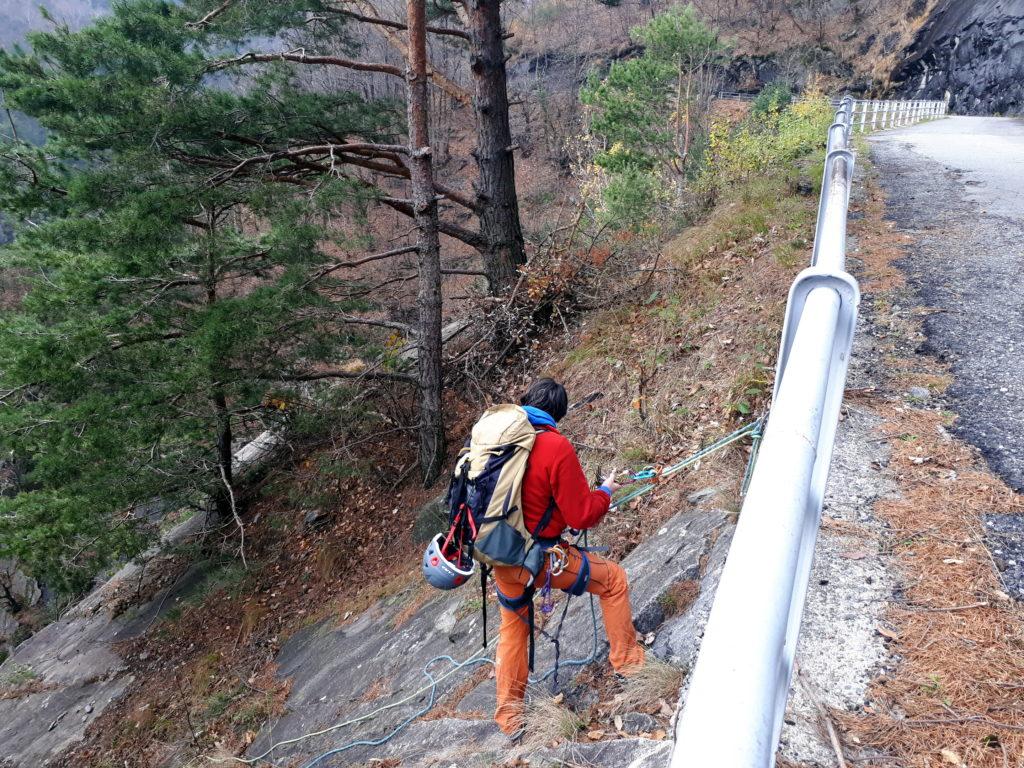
(957, 186)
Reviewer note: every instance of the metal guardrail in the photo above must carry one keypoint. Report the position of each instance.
(740, 683)
(873, 115)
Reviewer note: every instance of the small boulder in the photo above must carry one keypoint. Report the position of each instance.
(919, 393)
(635, 723)
(703, 494)
(315, 519)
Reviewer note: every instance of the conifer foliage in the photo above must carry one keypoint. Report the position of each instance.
(178, 241)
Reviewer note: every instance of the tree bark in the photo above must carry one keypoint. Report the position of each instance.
(503, 251)
(424, 203)
(224, 482)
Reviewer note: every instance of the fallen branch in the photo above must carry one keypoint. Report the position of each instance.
(824, 717)
(969, 606)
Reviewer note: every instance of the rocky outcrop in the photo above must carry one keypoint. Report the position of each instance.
(58, 681)
(340, 673)
(971, 52)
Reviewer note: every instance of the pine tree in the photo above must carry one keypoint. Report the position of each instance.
(171, 289)
(476, 24)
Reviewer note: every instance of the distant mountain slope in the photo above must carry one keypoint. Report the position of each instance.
(19, 17)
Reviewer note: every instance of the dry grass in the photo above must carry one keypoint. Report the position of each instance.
(691, 360)
(547, 720)
(678, 597)
(645, 690)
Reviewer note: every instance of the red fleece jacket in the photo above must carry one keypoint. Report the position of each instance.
(554, 472)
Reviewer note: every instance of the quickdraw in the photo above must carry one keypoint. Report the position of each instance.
(558, 560)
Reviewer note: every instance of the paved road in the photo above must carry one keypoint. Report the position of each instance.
(957, 185)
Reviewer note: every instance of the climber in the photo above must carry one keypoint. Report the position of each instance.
(555, 497)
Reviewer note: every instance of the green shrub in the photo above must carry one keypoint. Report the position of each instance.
(771, 142)
(772, 99)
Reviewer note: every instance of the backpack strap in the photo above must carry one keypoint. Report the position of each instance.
(545, 519)
(484, 573)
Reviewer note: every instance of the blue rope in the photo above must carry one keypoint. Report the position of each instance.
(429, 705)
(650, 473)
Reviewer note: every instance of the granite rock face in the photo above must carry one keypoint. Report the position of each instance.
(972, 52)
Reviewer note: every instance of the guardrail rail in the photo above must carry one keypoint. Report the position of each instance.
(740, 683)
(872, 115)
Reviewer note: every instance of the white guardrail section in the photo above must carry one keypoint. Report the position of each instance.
(740, 682)
(876, 115)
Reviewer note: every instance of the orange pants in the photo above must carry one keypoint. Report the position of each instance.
(607, 581)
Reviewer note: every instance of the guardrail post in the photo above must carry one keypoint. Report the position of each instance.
(863, 115)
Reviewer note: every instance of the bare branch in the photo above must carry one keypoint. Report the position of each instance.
(359, 262)
(298, 152)
(405, 378)
(210, 16)
(300, 57)
(397, 24)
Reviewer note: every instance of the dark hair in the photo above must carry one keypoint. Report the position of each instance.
(549, 396)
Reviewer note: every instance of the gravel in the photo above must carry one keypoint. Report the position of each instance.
(955, 185)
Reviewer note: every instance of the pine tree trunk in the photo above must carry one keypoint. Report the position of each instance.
(224, 480)
(428, 300)
(504, 250)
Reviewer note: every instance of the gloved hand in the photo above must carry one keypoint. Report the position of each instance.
(610, 484)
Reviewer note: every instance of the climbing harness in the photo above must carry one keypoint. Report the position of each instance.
(557, 561)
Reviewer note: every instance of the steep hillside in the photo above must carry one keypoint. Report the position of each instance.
(974, 52)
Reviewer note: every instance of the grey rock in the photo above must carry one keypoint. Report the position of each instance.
(621, 753)
(704, 493)
(920, 393)
(481, 700)
(972, 51)
(635, 723)
(315, 519)
(581, 698)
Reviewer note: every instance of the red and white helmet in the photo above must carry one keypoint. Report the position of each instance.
(441, 572)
